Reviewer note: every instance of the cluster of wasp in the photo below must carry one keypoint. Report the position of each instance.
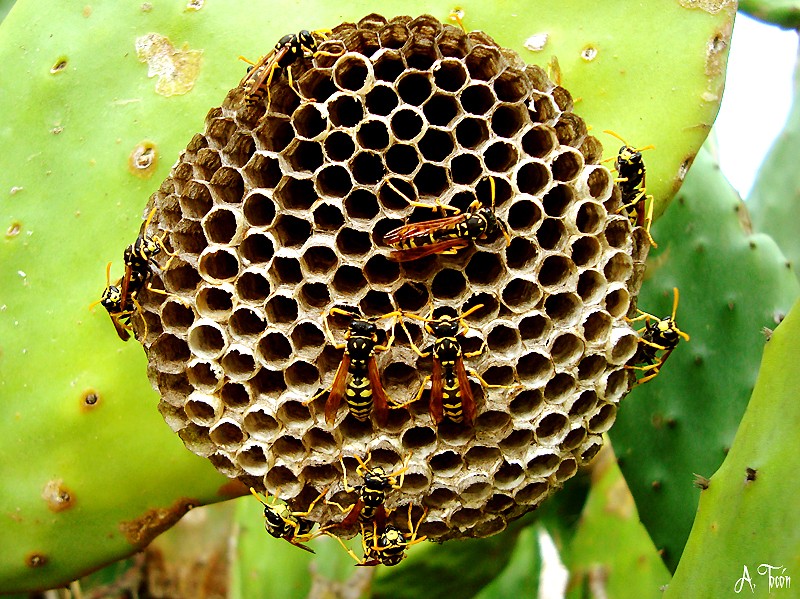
(357, 381)
(120, 299)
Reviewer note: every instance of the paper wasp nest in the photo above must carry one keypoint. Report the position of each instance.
(278, 217)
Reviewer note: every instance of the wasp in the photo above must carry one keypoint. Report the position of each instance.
(446, 235)
(139, 260)
(386, 545)
(289, 49)
(451, 395)
(357, 379)
(657, 335)
(631, 178)
(369, 506)
(120, 313)
(282, 523)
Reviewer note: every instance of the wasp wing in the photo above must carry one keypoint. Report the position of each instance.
(352, 516)
(437, 389)
(122, 330)
(337, 389)
(380, 403)
(300, 545)
(421, 229)
(449, 246)
(467, 399)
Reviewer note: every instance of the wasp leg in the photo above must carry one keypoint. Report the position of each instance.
(416, 397)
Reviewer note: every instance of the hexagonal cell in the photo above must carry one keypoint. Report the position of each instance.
(381, 100)
(373, 135)
(436, 145)
(303, 156)
(353, 73)
(471, 132)
(441, 109)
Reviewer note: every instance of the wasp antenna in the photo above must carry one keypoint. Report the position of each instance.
(674, 302)
(457, 15)
(492, 190)
(257, 496)
(149, 218)
(614, 134)
(470, 311)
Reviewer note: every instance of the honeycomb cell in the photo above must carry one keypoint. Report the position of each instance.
(414, 88)
(262, 171)
(373, 135)
(215, 301)
(441, 110)
(436, 145)
(176, 316)
(345, 111)
(408, 124)
(402, 159)
(222, 225)
(381, 100)
(472, 133)
(353, 73)
(196, 200)
(532, 177)
(205, 376)
(277, 216)
(466, 168)
(309, 122)
(252, 286)
(258, 248)
(319, 260)
(339, 146)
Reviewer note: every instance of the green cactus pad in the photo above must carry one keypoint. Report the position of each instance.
(774, 202)
(784, 13)
(747, 517)
(732, 284)
(611, 548)
(89, 135)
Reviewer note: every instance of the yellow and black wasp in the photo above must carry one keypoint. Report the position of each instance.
(386, 545)
(451, 395)
(357, 379)
(376, 483)
(283, 523)
(139, 260)
(120, 313)
(657, 335)
(289, 49)
(631, 175)
(446, 235)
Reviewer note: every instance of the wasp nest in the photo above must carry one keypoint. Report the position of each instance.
(276, 216)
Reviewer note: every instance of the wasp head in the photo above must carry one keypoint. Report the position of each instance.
(446, 326)
(361, 327)
(111, 299)
(307, 40)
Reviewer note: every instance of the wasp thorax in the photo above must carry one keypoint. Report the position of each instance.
(277, 213)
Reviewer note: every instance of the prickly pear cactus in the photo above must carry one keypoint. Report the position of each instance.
(112, 94)
(732, 283)
(745, 530)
